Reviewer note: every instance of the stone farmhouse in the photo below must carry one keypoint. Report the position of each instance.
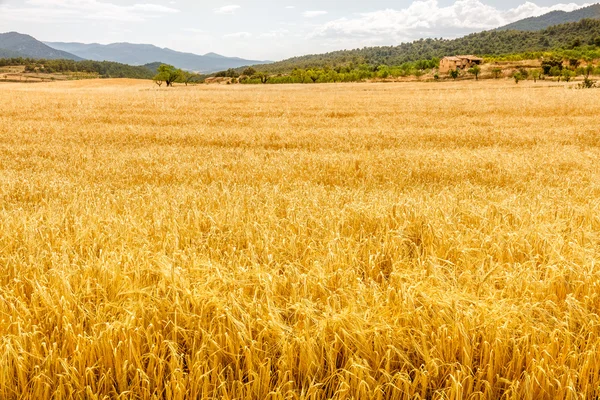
(448, 64)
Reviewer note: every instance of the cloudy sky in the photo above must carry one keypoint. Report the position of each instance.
(262, 29)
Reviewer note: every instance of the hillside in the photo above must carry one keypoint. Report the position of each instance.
(141, 54)
(13, 44)
(585, 32)
(9, 54)
(103, 69)
(554, 18)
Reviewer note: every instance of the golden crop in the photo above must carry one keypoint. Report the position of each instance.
(355, 241)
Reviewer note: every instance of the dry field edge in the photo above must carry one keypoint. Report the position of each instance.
(342, 241)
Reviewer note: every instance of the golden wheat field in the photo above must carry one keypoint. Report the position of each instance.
(349, 241)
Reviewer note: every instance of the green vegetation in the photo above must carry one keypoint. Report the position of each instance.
(153, 67)
(587, 84)
(350, 73)
(475, 70)
(581, 36)
(517, 77)
(105, 69)
(558, 65)
(169, 74)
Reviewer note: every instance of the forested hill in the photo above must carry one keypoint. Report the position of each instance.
(585, 32)
(104, 69)
(554, 18)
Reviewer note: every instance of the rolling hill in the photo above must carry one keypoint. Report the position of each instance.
(585, 32)
(141, 54)
(553, 18)
(13, 44)
(9, 54)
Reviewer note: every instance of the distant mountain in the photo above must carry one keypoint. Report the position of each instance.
(141, 54)
(9, 54)
(13, 44)
(565, 36)
(553, 18)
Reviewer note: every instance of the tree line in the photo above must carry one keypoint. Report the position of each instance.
(560, 65)
(104, 69)
(583, 35)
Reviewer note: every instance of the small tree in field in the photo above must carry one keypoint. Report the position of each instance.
(589, 69)
(188, 77)
(587, 84)
(536, 74)
(475, 70)
(454, 73)
(517, 77)
(168, 74)
(496, 73)
(568, 75)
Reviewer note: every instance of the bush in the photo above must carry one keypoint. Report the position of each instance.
(554, 71)
(587, 84)
(517, 77)
(568, 75)
(524, 73)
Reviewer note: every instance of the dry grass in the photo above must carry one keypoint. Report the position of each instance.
(368, 241)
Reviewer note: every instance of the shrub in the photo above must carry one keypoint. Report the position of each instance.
(587, 84)
(517, 77)
(497, 73)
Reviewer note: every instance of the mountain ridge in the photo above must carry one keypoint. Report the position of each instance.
(553, 18)
(14, 44)
(141, 54)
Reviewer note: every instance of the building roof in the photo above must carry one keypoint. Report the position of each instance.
(459, 58)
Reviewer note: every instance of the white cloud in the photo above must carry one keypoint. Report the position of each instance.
(230, 9)
(76, 10)
(426, 18)
(238, 35)
(194, 30)
(313, 14)
(277, 33)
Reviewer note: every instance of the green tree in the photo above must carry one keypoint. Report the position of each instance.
(536, 74)
(517, 77)
(188, 77)
(230, 73)
(497, 73)
(555, 71)
(552, 64)
(167, 74)
(524, 73)
(249, 71)
(475, 70)
(454, 73)
(568, 75)
(313, 75)
(589, 69)
(264, 78)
